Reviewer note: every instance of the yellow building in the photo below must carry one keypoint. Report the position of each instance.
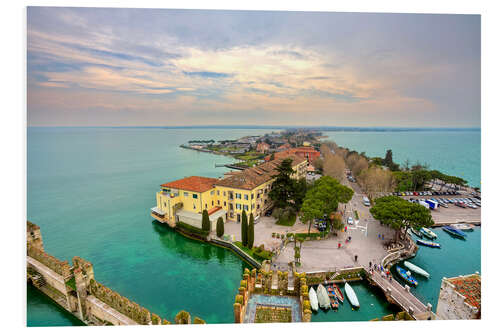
(185, 199)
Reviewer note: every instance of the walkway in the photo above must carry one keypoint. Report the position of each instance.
(400, 295)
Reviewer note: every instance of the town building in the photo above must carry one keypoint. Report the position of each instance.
(263, 147)
(460, 298)
(308, 153)
(185, 199)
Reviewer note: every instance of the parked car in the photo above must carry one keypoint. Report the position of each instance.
(350, 220)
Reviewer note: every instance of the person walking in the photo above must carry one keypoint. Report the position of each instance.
(370, 265)
(355, 257)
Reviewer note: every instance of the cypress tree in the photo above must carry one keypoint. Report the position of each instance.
(244, 228)
(250, 232)
(220, 227)
(205, 221)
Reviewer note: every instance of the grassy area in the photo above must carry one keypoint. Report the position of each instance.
(255, 253)
(287, 222)
(265, 314)
(71, 283)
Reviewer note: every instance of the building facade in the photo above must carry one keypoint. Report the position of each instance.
(185, 199)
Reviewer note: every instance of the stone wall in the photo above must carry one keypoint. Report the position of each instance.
(76, 289)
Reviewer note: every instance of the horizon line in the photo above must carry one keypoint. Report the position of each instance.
(257, 126)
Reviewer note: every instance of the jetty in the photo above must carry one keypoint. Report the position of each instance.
(401, 296)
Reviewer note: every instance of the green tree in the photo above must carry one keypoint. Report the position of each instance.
(244, 228)
(205, 221)
(400, 214)
(299, 192)
(250, 231)
(282, 189)
(220, 227)
(323, 199)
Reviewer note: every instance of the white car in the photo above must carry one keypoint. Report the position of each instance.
(350, 220)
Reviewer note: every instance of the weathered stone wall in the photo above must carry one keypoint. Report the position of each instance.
(76, 289)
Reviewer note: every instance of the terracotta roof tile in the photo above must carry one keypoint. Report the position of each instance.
(193, 183)
(252, 177)
(470, 287)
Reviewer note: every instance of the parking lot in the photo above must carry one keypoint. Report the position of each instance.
(452, 214)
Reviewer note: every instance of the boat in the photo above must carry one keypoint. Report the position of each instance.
(428, 233)
(333, 297)
(427, 243)
(416, 269)
(351, 295)
(454, 232)
(313, 299)
(338, 293)
(323, 299)
(406, 275)
(416, 233)
(464, 226)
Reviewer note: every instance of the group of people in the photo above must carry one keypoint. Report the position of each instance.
(379, 268)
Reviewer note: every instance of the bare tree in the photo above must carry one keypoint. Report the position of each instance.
(334, 166)
(375, 180)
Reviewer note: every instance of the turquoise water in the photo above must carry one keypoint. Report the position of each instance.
(456, 153)
(455, 257)
(372, 305)
(90, 190)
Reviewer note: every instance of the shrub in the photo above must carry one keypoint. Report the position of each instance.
(244, 229)
(220, 227)
(238, 299)
(250, 231)
(183, 317)
(205, 221)
(198, 321)
(191, 230)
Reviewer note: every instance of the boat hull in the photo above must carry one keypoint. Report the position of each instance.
(404, 275)
(323, 299)
(414, 268)
(454, 232)
(429, 244)
(313, 299)
(428, 233)
(351, 295)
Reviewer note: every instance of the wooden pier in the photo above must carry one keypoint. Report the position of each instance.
(401, 296)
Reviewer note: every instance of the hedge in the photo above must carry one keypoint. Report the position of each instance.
(192, 230)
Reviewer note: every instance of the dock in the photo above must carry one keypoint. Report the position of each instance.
(401, 296)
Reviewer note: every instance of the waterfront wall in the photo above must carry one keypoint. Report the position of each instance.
(451, 304)
(75, 289)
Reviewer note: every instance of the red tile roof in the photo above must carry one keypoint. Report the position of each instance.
(470, 287)
(250, 178)
(193, 183)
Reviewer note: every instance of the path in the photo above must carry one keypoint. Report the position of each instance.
(403, 297)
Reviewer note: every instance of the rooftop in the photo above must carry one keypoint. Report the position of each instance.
(470, 287)
(252, 177)
(193, 183)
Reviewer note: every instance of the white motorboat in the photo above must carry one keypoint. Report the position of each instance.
(323, 299)
(351, 295)
(313, 299)
(414, 268)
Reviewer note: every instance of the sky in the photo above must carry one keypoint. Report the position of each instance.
(161, 67)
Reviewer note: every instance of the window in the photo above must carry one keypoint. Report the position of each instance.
(224, 193)
(253, 206)
(194, 207)
(186, 194)
(212, 192)
(258, 195)
(252, 196)
(238, 195)
(230, 206)
(206, 206)
(258, 206)
(195, 196)
(246, 196)
(224, 204)
(245, 207)
(218, 202)
(212, 202)
(238, 206)
(218, 192)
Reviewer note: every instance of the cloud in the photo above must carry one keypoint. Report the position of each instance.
(335, 66)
